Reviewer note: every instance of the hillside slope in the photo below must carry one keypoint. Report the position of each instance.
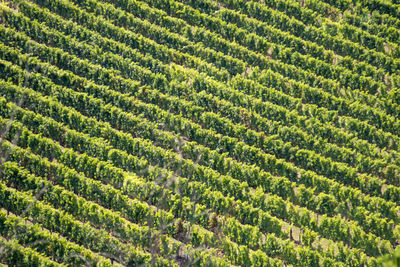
(199, 133)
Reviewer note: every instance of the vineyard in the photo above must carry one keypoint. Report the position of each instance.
(199, 132)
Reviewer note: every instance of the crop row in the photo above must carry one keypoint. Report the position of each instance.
(388, 191)
(214, 41)
(119, 99)
(346, 31)
(56, 247)
(309, 32)
(370, 150)
(157, 67)
(106, 131)
(313, 95)
(208, 194)
(129, 127)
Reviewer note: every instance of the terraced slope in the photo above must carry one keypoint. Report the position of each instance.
(199, 133)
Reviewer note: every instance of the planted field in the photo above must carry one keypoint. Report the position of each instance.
(199, 133)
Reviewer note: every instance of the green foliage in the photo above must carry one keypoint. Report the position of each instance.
(199, 133)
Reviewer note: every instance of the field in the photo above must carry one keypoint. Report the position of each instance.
(199, 132)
